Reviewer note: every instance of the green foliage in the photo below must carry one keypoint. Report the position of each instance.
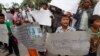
(15, 5)
(27, 2)
(34, 3)
(1, 6)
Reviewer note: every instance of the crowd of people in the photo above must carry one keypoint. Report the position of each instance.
(83, 20)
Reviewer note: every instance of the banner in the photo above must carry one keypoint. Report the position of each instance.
(30, 35)
(42, 17)
(69, 43)
(3, 33)
(98, 52)
(97, 9)
(66, 5)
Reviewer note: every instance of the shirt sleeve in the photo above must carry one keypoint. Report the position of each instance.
(58, 30)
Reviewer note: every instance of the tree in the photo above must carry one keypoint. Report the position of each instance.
(39, 2)
(27, 2)
(34, 3)
(15, 5)
(1, 6)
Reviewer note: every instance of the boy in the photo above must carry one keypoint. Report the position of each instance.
(95, 34)
(65, 22)
(3, 32)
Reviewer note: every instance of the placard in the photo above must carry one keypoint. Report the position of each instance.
(42, 17)
(30, 35)
(4, 33)
(66, 5)
(69, 43)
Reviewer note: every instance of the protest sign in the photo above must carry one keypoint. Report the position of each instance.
(30, 35)
(66, 5)
(98, 52)
(3, 33)
(69, 43)
(97, 9)
(42, 17)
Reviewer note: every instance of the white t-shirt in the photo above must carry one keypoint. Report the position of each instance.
(84, 21)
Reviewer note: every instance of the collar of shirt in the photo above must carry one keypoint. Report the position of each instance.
(69, 29)
(93, 33)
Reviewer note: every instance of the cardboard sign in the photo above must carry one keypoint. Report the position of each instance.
(66, 5)
(69, 43)
(42, 17)
(3, 33)
(30, 35)
(98, 52)
(97, 9)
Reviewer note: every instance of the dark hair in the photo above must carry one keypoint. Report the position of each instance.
(2, 15)
(45, 4)
(12, 11)
(0, 11)
(67, 17)
(83, 1)
(93, 19)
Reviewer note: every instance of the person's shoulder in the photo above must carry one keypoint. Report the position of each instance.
(58, 29)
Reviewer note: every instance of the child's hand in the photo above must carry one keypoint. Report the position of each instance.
(94, 44)
(94, 40)
(94, 50)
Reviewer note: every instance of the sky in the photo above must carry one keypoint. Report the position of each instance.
(9, 2)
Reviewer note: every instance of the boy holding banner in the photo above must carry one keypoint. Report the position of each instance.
(95, 35)
(3, 32)
(65, 22)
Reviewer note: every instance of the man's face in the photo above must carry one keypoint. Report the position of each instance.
(2, 19)
(87, 3)
(44, 7)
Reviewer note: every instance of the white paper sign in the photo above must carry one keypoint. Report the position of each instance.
(98, 53)
(3, 33)
(42, 17)
(97, 9)
(69, 43)
(30, 35)
(66, 5)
